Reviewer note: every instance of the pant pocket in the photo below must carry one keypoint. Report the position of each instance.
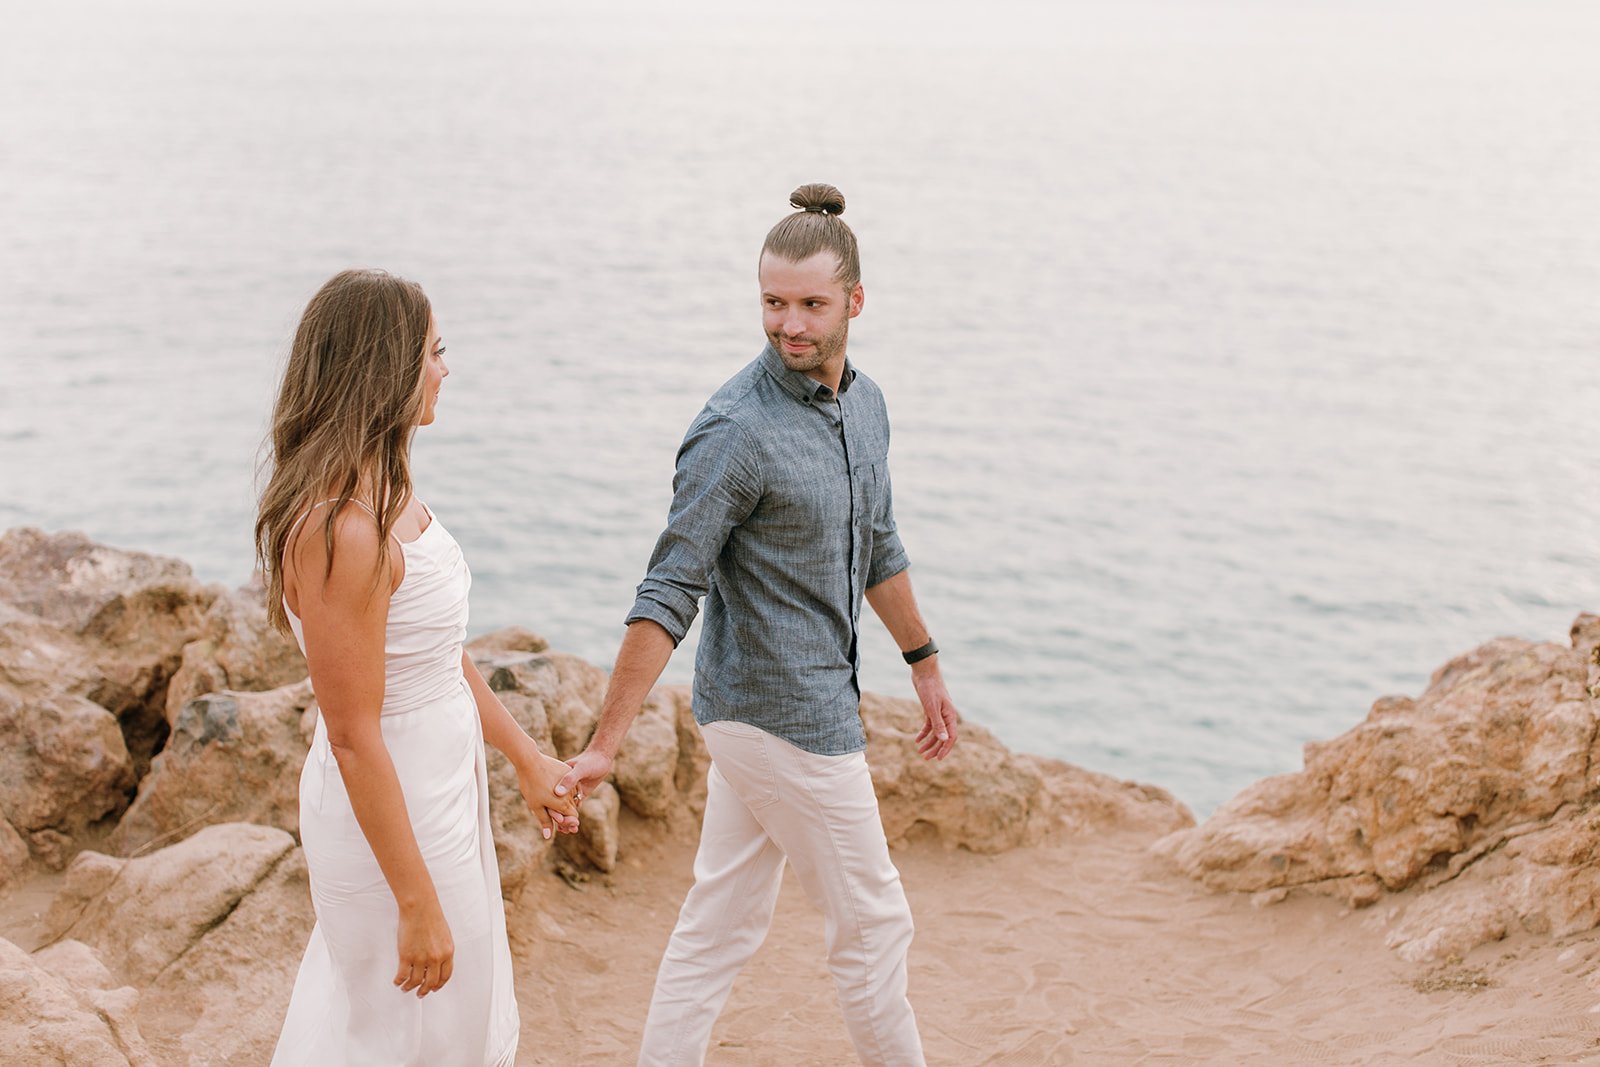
(741, 753)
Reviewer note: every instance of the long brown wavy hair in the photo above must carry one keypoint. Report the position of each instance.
(351, 398)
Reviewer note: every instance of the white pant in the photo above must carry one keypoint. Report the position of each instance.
(768, 801)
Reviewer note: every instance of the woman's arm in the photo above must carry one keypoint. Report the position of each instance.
(344, 612)
(537, 773)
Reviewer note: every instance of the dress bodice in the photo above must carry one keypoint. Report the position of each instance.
(427, 623)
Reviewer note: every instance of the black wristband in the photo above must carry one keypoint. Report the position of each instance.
(917, 655)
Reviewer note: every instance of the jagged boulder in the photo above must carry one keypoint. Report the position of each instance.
(179, 893)
(566, 688)
(231, 989)
(47, 1019)
(986, 798)
(13, 853)
(646, 767)
(1502, 737)
(232, 757)
(128, 613)
(89, 636)
(237, 649)
(64, 766)
(508, 640)
(598, 834)
(1479, 794)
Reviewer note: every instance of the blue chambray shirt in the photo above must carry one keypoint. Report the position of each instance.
(781, 518)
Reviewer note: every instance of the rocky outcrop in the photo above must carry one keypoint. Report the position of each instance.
(166, 719)
(120, 621)
(986, 798)
(64, 766)
(231, 757)
(232, 985)
(1480, 794)
(237, 649)
(89, 637)
(59, 1007)
(178, 895)
(211, 930)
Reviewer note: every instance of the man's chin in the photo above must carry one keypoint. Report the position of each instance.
(808, 360)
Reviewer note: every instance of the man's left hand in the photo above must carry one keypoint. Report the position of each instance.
(938, 734)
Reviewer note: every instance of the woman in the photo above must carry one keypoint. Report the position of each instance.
(394, 802)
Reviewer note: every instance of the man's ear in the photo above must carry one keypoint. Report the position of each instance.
(858, 299)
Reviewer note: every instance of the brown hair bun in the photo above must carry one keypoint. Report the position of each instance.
(819, 197)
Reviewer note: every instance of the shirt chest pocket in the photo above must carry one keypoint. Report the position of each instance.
(867, 481)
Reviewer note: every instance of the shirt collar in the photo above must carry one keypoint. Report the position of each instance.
(803, 387)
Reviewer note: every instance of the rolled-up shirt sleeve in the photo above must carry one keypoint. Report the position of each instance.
(888, 554)
(716, 486)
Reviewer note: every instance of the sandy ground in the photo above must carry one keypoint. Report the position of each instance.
(1082, 951)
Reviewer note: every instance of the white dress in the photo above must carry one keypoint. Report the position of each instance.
(345, 1009)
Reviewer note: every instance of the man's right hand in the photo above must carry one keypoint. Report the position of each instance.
(589, 769)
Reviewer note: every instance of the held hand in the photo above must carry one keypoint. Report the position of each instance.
(427, 952)
(938, 734)
(536, 778)
(585, 773)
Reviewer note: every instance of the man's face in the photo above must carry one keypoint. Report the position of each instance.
(805, 312)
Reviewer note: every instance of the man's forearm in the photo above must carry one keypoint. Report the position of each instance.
(896, 605)
(646, 648)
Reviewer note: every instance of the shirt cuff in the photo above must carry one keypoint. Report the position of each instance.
(672, 608)
(885, 566)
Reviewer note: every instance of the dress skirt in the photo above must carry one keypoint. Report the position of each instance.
(346, 1010)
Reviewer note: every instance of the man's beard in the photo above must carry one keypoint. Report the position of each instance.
(822, 349)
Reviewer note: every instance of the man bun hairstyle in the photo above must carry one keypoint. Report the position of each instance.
(816, 227)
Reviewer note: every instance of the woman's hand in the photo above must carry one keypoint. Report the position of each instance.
(427, 952)
(537, 775)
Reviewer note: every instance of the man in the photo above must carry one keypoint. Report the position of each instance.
(781, 518)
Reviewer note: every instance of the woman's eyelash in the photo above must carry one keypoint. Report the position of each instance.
(439, 351)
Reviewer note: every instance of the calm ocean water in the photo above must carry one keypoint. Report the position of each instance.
(1242, 356)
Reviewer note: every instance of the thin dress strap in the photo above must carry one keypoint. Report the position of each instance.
(334, 500)
(331, 500)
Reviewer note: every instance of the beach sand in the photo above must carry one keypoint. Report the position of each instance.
(1084, 950)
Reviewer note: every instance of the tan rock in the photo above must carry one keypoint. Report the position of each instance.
(238, 649)
(555, 698)
(567, 688)
(52, 848)
(646, 768)
(985, 798)
(1585, 634)
(507, 640)
(75, 963)
(13, 853)
(596, 841)
(1477, 798)
(70, 580)
(229, 992)
(1085, 801)
(1501, 737)
(179, 893)
(89, 875)
(45, 1021)
(97, 623)
(519, 843)
(694, 760)
(64, 764)
(232, 757)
